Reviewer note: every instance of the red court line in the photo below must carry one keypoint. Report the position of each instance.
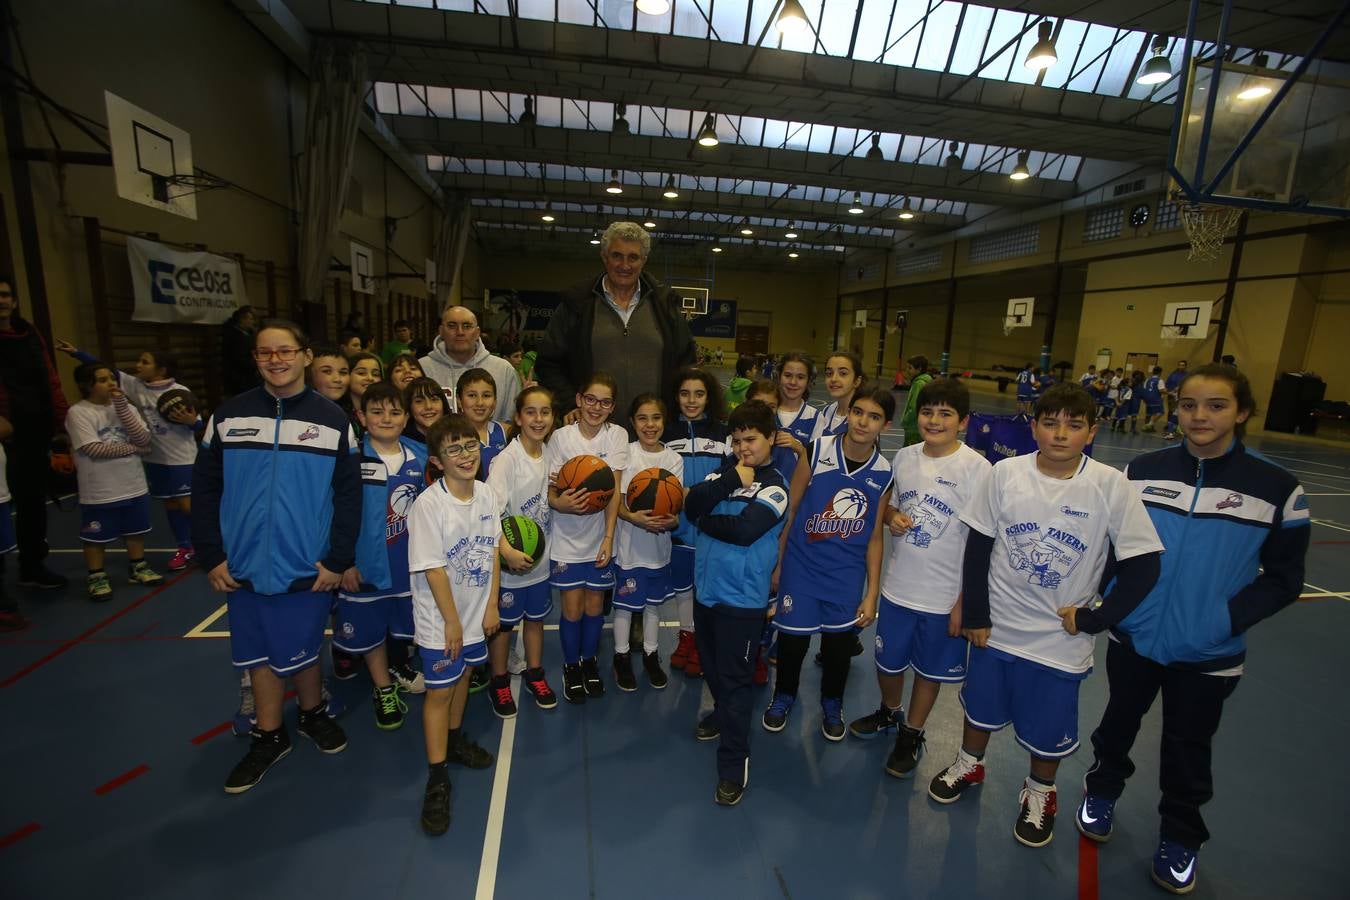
(122, 779)
(1087, 869)
(15, 836)
(1331, 542)
(212, 732)
(33, 667)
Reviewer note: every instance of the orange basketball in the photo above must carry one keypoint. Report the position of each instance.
(657, 491)
(591, 473)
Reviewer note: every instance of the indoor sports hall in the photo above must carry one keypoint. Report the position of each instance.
(982, 190)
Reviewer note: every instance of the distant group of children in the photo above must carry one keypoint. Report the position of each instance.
(333, 493)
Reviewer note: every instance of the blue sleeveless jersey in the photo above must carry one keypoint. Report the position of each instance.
(802, 424)
(827, 548)
(386, 500)
(703, 446)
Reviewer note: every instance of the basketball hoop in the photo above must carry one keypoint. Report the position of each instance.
(1207, 226)
(1171, 334)
(1009, 323)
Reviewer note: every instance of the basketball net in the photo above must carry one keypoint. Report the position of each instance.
(1009, 323)
(1207, 226)
(1170, 335)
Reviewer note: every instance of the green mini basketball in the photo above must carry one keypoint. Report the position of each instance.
(523, 534)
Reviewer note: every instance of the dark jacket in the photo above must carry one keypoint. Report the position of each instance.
(237, 369)
(564, 357)
(30, 387)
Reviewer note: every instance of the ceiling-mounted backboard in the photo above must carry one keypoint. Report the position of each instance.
(149, 154)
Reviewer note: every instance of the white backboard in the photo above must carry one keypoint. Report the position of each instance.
(147, 151)
(363, 280)
(1187, 320)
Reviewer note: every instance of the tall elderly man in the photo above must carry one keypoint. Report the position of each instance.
(622, 322)
(458, 348)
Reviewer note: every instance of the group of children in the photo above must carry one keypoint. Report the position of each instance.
(997, 576)
(1121, 397)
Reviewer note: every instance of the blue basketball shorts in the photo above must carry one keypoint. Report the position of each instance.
(104, 523)
(681, 568)
(440, 671)
(168, 481)
(360, 623)
(805, 607)
(281, 631)
(569, 575)
(534, 602)
(909, 638)
(636, 589)
(1041, 703)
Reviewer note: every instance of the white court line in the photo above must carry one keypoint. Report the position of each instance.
(496, 818)
(199, 630)
(1326, 524)
(117, 550)
(1339, 494)
(1323, 592)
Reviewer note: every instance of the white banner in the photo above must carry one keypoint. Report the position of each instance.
(188, 288)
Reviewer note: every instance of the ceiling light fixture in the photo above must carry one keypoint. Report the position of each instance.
(716, 247)
(745, 227)
(791, 233)
(1020, 171)
(595, 237)
(653, 7)
(1158, 69)
(1042, 54)
(793, 18)
(670, 193)
(614, 187)
(857, 208)
(649, 222)
(547, 215)
(707, 135)
(953, 160)
(1254, 88)
(527, 117)
(906, 212)
(875, 151)
(620, 125)
(793, 254)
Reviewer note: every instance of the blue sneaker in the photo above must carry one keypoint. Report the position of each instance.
(1174, 867)
(775, 717)
(832, 718)
(1095, 818)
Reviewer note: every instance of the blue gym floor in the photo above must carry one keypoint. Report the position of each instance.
(118, 745)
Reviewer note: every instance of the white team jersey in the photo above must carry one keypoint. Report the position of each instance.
(460, 537)
(103, 480)
(829, 421)
(171, 444)
(521, 484)
(924, 570)
(1050, 543)
(636, 548)
(578, 538)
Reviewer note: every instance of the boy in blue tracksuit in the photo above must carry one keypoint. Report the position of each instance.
(276, 511)
(1235, 527)
(739, 512)
(376, 599)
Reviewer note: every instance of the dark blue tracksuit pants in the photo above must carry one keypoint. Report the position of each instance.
(728, 639)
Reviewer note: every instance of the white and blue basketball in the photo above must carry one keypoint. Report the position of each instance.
(849, 503)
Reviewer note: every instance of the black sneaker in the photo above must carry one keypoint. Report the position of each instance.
(344, 664)
(623, 673)
(436, 807)
(948, 785)
(574, 685)
(537, 685)
(265, 751)
(390, 709)
(478, 680)
(43, 579)
(1036, 822)
(728, 793)
(590, 674)
(326, 734)
(467, 753)
(499, 692)
(651, 664)
(707, 729)
(909, 747)
(882, 721)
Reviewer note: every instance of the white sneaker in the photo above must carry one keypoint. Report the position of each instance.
(408, 678)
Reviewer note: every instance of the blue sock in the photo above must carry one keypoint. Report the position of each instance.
(569, 634)
(180, 523)
(591, 628)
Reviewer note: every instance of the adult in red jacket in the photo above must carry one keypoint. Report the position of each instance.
(31, 399)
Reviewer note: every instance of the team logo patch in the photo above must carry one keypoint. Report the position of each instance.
(242, 432)
(559, 568)
(629, 586)
(1232, 501)
(943, 481)
(881, 645)
(786, 603)
(440, 665)
(508, 600)
(1076, 513)
(1155, 491)
(348, 629)
(845, 517)
(309, 434)
(401, 501)
(1048, 555)
(94, 527)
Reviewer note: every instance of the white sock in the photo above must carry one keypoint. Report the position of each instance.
(1034, 785)
(651, 629)
(623, 624)
(684, 604)
(245, 680)
(705, 700)
(520, 642)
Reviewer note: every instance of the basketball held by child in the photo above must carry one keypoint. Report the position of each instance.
(522, 533)
(592, 474)
(174, 401)
(656, 491)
